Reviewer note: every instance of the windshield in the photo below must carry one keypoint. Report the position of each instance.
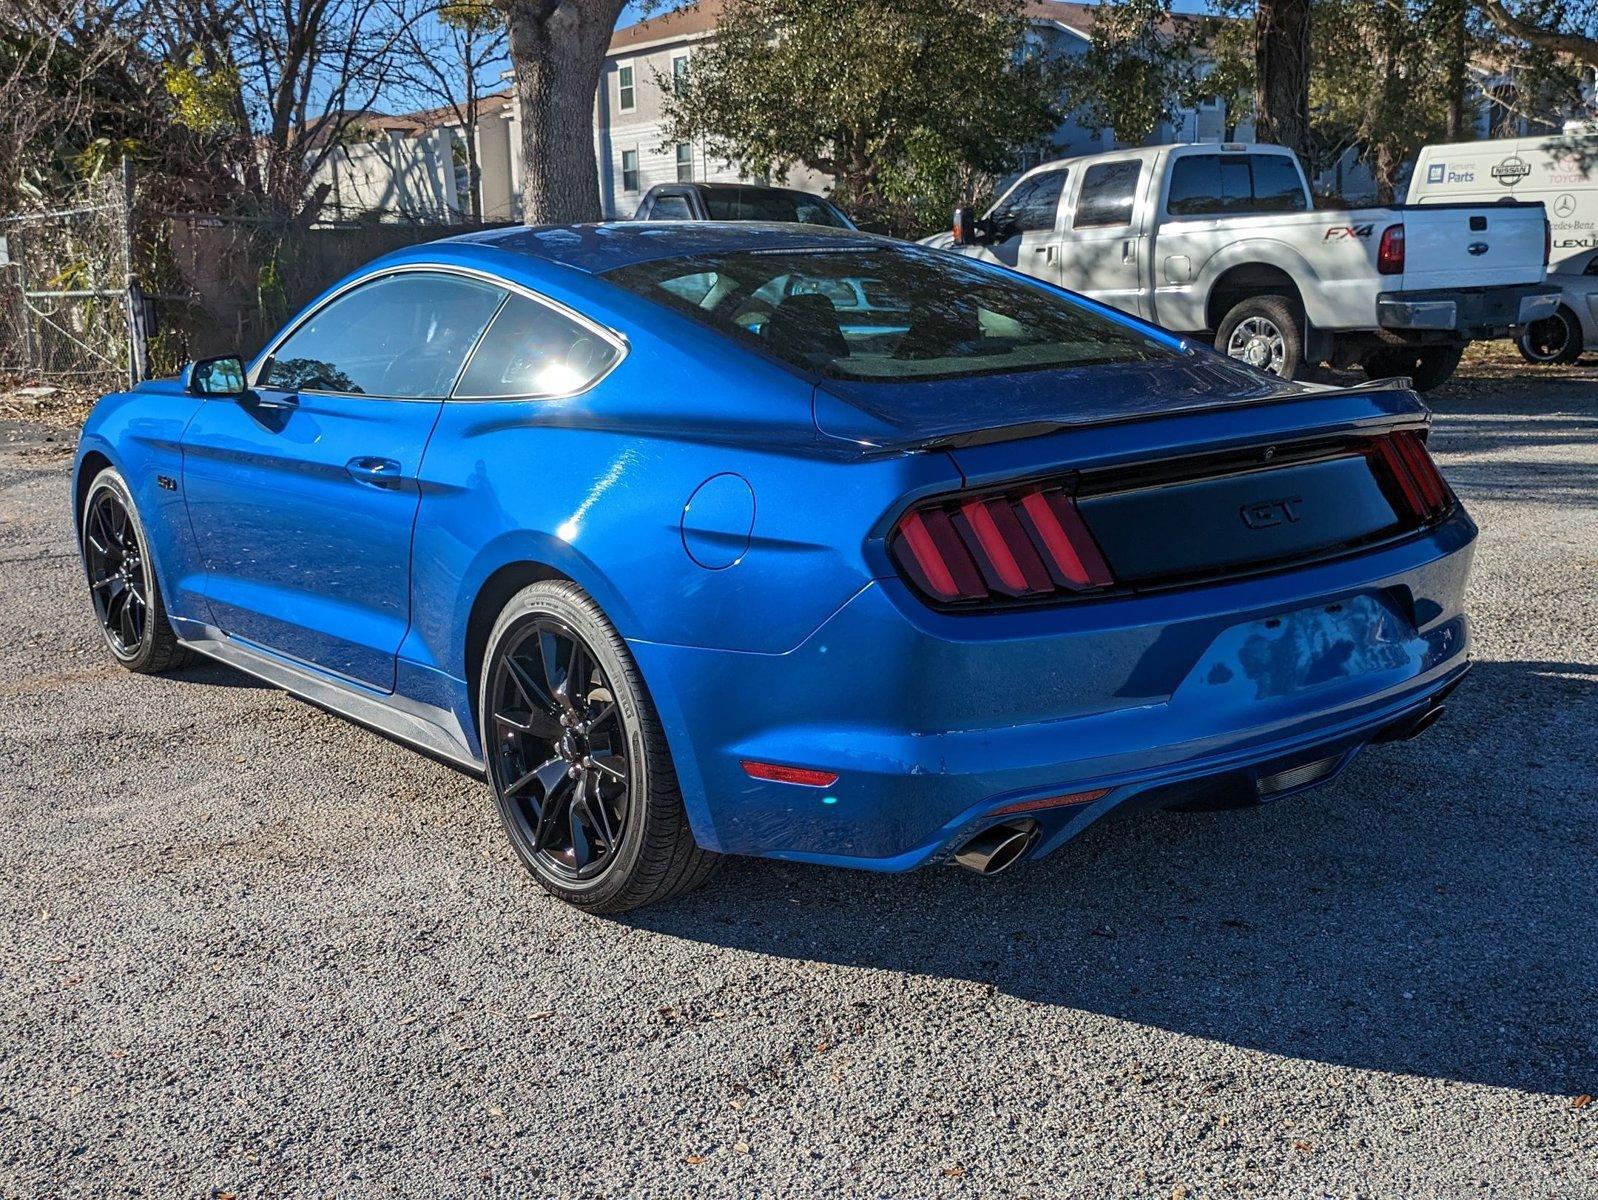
(887, 313)
(765, 204)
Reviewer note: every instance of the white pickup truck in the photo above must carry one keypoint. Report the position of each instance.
(1224, 241)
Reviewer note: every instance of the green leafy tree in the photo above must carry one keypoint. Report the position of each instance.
(907, 104)
(1139, 70)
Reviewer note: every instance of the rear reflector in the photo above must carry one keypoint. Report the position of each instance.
(803, 776)
(1065, 801)
(1030, 543)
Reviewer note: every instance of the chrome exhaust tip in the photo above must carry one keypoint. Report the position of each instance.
(997, 848)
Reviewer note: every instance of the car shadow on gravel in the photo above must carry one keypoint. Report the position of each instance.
(1432, 912)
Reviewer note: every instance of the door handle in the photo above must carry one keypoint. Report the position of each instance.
(374, 472)
(1126, 251)
(1048, 251)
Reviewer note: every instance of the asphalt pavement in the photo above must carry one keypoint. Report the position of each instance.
(251, 950)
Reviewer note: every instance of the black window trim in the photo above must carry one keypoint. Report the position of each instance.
(616, 338)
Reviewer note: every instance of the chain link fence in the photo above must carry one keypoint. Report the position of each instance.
(97, 292)
(69, 313)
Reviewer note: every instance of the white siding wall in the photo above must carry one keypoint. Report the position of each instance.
(393, 175)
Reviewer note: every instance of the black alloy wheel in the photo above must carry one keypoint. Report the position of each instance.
(117, 572)
(1554, 340)
(122, 583)
(560, 758)
(577, 757)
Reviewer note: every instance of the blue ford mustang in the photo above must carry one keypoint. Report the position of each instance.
(771, 540)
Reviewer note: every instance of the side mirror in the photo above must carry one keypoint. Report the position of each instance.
(964, 230)
(221, 376)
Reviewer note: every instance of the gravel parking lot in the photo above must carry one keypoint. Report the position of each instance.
(252, 950)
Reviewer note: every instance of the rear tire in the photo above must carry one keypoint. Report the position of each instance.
(1553, 341)
(1266, 332)
(1427, 366)
(123, 589)
(577, 759)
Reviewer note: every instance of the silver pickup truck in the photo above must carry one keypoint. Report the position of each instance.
(1224, 241)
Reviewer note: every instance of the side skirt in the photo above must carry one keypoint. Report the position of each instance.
(420, 726)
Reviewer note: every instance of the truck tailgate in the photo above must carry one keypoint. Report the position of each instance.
(1471, 245)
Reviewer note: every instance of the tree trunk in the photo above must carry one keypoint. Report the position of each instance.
(557, 48)
(1456, 70)
(1281, 63)
(474, 175)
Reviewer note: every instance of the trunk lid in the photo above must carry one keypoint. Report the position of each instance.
(1201, 492)
(911, 415)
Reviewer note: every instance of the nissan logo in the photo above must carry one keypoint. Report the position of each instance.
(1477, 249)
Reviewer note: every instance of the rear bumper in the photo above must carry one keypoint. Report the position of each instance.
(934, 721)
(1471, 314)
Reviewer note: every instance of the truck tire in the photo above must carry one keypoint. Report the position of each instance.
(1553, 341)
(1266, 332)
(1426, 366)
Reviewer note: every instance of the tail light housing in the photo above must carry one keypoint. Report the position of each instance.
(1390, 253)
(1407, 463)
(1028, 543)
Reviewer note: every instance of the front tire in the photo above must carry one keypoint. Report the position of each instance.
(577, 758)
(1427, 367)
(1553, 341)
(1265, 332)
(122, 585)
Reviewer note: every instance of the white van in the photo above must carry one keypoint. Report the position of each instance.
(1561, 170)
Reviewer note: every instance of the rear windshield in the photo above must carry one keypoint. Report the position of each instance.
(886, 313)
(754, 204)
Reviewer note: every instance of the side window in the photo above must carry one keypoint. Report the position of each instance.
(1030, 205)
(402, 336)
(1109, 191)
(1277, 187)
(671, 208)
(1230, 184)
(531, 350)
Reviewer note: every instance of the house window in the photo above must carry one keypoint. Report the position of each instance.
(626, 93)
(679, 75)
(685, 162)
(629, 170)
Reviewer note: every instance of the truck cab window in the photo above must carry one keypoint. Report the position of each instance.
(1234, 185)
(1030, 205)
(1109, 191)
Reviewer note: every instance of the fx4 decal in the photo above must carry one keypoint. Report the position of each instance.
(1340, 232)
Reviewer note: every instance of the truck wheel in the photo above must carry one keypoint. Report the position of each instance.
(1427, 367)
(1264, 332)
(1554, 340)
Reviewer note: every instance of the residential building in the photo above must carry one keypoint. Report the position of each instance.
(645, 61)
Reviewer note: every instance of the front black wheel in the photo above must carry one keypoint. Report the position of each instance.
(577, 759)
(122, 584)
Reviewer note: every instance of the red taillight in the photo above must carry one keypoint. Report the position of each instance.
(1024, 544)
(1390, 254)
(1411, 468)
(803, 776)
